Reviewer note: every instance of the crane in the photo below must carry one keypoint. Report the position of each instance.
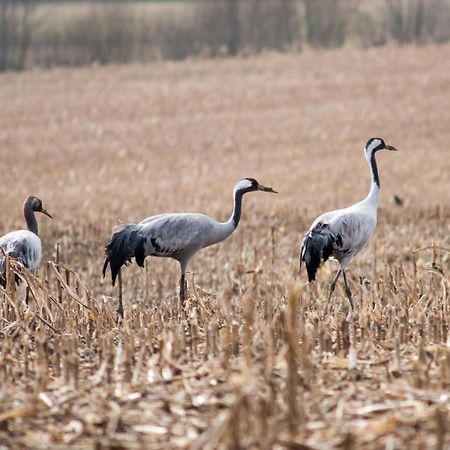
(342, 233)
(178, 236)
(23, 245)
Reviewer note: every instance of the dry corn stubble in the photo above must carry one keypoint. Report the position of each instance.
(252, 364)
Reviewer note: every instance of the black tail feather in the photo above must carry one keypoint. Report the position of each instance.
(105, 266)
(2, 268)
(317, 247)
(126, 242)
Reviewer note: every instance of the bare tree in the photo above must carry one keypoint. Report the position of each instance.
(273, 24)
(26, 29)
(113, 31)
(413, 20)
(16, 27)
(326, 22)
(233, 26)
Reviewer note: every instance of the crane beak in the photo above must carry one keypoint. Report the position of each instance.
(43, 211)
(266, 189)
(391, 148)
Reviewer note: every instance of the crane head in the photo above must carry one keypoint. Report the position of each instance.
(250, 185)
(374, 144)
(36, 205)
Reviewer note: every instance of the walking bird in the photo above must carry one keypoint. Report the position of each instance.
(342, 233)
(23, 245)
(178, 236)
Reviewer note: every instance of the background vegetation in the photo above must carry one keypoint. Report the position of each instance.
(35, 33)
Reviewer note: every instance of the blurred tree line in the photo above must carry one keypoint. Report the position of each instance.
(118, 32)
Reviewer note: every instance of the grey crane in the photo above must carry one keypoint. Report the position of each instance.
(342, 233)
(23, 245)
(178, 236)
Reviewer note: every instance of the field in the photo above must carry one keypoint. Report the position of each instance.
(251, 361)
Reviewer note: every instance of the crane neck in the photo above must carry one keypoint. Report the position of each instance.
(224, 229)
(237, 208)
(374, 193)
(30, 218)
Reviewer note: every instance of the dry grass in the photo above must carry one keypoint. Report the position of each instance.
(253, 365)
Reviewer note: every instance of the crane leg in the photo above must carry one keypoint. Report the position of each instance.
(120, 307)
(332, 287)
(333, 284)
(182, 289)
(348, 292)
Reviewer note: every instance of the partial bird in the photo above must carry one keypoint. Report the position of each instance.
(342, 233)
(23, 245)
(178, 236)
(398, 200)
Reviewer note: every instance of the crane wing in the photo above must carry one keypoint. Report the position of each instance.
(340, 234)
(22, 245)
(174, 234)
(352, 230)
(171, 235)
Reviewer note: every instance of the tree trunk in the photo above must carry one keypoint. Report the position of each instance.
(233, 26)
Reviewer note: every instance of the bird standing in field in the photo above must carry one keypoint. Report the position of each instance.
(178, 236)
(342, 233)
(23, 245)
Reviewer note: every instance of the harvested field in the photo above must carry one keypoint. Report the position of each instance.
(250, 362)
